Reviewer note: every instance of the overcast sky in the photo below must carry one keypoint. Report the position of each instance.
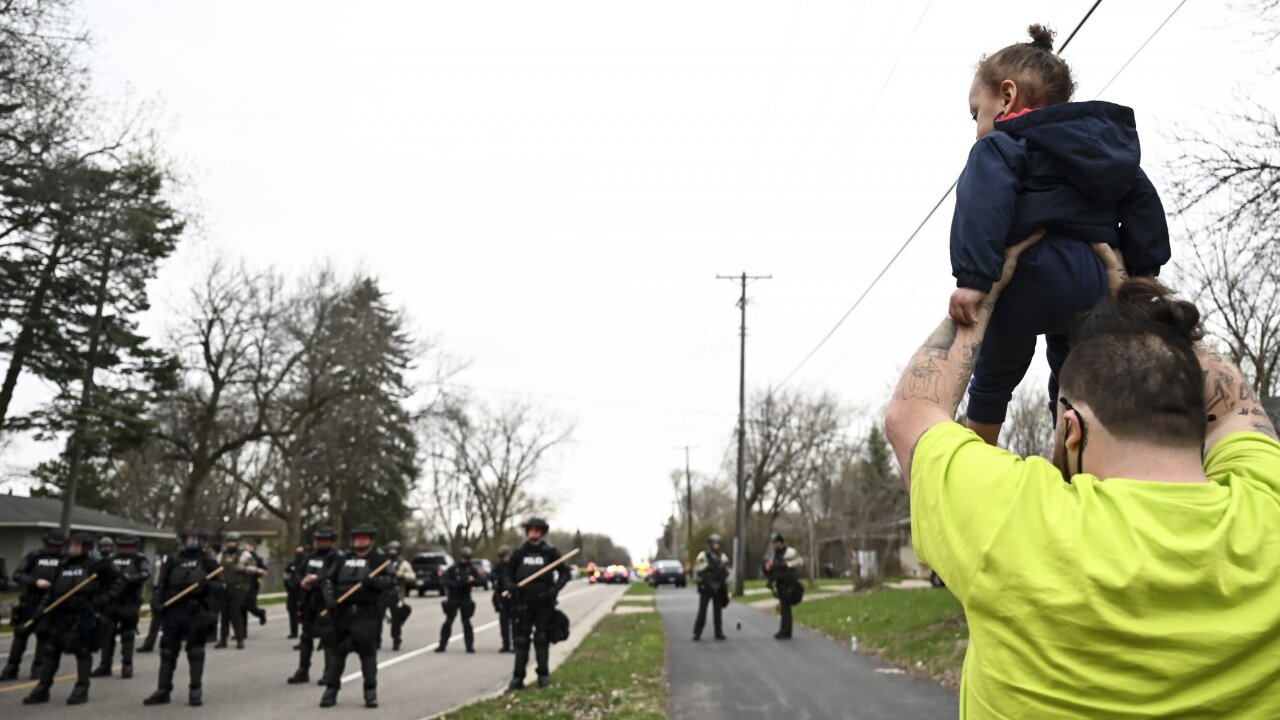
(552, 188)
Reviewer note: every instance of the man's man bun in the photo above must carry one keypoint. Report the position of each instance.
(1149, 301)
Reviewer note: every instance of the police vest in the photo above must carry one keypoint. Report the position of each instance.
(186, 571)
(44, 566)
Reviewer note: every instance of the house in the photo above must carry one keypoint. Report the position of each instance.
(23, 520)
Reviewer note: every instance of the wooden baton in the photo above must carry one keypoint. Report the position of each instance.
(216, 571)
(356, 588)
(65, 596)
(543, 571)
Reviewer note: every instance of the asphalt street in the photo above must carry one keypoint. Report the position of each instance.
(414, 683)
(810, 677)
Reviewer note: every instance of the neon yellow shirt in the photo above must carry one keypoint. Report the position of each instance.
(1106, 599)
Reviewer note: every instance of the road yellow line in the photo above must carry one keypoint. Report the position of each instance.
(32, 683)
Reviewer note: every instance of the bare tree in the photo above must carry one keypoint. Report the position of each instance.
(1029, 428)
(501, 453)
(1227, 189)
(230, 346)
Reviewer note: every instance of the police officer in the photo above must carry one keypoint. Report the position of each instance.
(191, 619)
(394, 602)
(72, 626)
(258, 572)
(293, 573)
(459, 578)
(711, 571)
(780, 568)
(533, 606)
(239, 566)
(501, 603)
(357, 620)
(153, 627)
(121, 616)
(35, 574)
(311, 601)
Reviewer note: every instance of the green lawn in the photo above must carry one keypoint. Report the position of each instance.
(822, 582)
(619, 671)
(904, 627)
(640, 588)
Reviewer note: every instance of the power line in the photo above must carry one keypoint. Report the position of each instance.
(586, 400)
(883, 86)
(876, 280)
(1142, 47)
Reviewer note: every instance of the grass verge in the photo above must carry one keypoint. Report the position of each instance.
(923, 631)
(639, 588)
(619, 671)
(823, 582)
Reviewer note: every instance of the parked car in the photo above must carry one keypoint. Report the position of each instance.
(483, 570)
(429, 567)
(668, 572)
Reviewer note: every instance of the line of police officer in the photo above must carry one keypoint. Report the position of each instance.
(74, 603)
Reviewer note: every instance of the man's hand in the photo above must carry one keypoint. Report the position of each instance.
(308, 581)
(1116, 273)
(43, 584)
(964, 305)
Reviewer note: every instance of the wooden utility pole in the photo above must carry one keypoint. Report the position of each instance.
(740, 520)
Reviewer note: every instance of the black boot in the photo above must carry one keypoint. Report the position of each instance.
(159, 697)
(164, 685)
(126, 672)
(103, 670)
(299, 677)
(39, 694)
(10, 672)
(195, 661)
(79, 695)
(126, 655)
(330, 697)
(544, 681)
(369, 669)
(395, 645)
(515, 685)
(239, 644)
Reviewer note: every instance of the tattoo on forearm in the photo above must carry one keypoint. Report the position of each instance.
(922, 378)
(944, 337)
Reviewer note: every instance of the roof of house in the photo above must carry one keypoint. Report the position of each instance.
(17, 511)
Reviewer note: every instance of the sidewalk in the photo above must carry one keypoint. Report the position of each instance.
(752, 675)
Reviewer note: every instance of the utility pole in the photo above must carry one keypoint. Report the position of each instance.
(740, 521)
(688, 504)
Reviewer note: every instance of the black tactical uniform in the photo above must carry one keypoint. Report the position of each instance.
(231, 601)
(502, 605)
(458, 580)
(121, 616)
(355, 622)
(37, 565)
(713, 587)
(293, 591)
(311, 600)
(533, 607)
(191, 619)
(72, 626)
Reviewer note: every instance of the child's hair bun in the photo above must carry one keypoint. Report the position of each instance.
(1041, 37)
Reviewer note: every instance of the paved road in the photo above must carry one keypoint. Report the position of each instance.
(414, 683)
(752, 675)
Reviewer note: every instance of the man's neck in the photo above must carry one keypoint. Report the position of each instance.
(1148, 462)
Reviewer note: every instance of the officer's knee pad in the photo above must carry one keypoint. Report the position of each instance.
(168, 655)
(522, 642)
(541, 637)
(195, 653)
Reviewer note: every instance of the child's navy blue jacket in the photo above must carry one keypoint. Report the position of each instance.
(1070, 168)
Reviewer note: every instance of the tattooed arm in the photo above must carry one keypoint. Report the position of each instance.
(935, 380)
(1230, 401)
